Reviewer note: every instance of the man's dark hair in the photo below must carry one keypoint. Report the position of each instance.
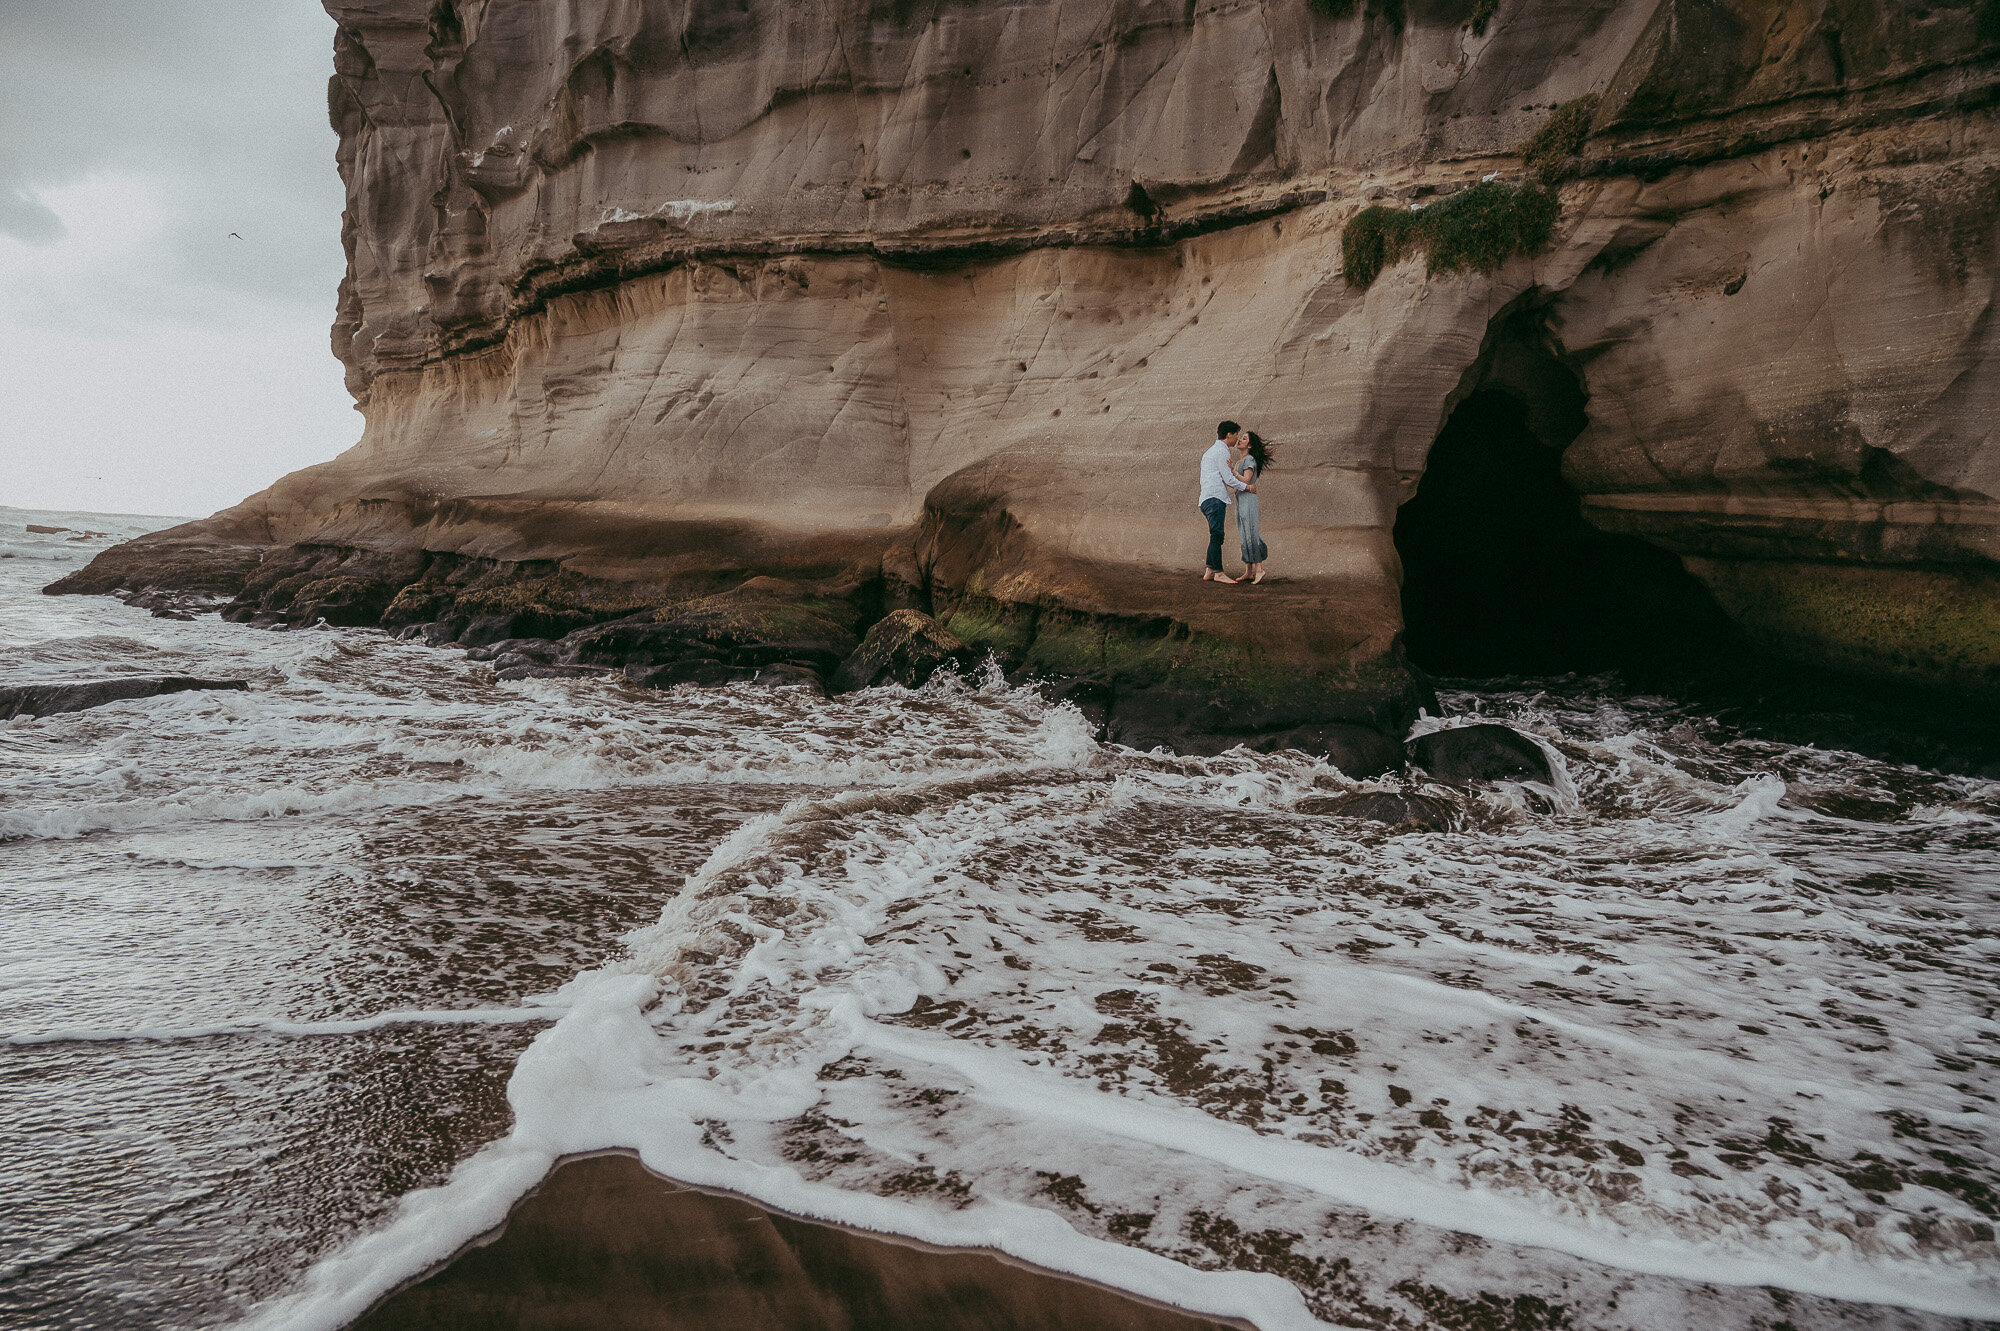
(1227, 428)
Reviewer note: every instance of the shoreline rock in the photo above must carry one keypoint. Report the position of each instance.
(906, 646)
(1461, 755)
(53, 699)
(610, 369)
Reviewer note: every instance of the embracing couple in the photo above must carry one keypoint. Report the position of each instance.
(1229, 473)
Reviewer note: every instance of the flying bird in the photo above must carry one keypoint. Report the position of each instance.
(234, 234)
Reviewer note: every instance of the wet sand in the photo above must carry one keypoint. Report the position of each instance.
(608, 1245)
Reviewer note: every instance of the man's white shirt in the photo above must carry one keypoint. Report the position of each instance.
(1217, 480)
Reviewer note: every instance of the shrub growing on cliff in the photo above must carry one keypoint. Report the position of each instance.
(1480, 227)
(1548, 151)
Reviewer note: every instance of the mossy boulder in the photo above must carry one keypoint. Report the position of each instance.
(905, 647)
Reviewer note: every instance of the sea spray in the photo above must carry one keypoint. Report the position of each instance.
(306, 985)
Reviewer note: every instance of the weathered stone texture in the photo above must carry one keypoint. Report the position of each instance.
(940, 303)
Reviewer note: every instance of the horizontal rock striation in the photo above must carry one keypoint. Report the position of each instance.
(935, 308)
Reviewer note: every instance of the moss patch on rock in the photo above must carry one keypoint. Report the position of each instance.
(1250, 690)
(1479, 227)
(1551, 151)
(1938, 628)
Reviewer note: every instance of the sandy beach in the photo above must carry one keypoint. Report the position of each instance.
(605, 1243)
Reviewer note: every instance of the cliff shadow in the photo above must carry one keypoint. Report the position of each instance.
(1502, 575)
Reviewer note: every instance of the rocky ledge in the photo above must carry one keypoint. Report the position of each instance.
(1588, 334)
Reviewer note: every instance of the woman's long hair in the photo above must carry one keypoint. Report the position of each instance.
(1260, 452)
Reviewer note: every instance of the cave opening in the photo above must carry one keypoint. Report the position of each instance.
(1502, 574)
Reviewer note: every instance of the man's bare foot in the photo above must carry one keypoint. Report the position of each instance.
(1259, 578)
(1224, 577)
(1207, 573)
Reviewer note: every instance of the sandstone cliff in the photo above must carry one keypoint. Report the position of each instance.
(936, 304)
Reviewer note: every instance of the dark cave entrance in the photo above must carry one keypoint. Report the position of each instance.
(1501, 573)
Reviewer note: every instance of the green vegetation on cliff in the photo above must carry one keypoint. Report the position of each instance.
(1480, 227)
(1549, 151)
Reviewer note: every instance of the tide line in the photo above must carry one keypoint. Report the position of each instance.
(1384, 1189)
(478, 1016)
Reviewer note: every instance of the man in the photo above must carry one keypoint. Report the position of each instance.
(1219, 484)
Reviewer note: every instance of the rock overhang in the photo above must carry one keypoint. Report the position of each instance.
(666, 303)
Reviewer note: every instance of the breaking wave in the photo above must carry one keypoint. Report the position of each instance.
(1709, 1012)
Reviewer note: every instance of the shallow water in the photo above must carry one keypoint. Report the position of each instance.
(1705, 1031)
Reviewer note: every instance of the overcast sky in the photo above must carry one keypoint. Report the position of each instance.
(148, 362)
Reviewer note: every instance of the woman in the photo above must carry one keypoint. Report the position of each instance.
(1250, 466)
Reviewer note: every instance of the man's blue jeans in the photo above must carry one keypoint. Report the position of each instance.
(1214, 510)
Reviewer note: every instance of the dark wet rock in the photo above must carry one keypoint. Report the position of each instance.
(1192, 724)
(435, 633)
(305, 584)
(49, 699)
(1484, 752)
(904, 647)
(517, 652)
(340, 602)
(1381, 806)
(508, 660)
(789, 673)
(538, 651)
(1357, 750)
(548, 672)
(1170, 719)
(40, 530)
(625, 642)
(486, 630)
(170, 605)
(701, 670)
(1092, 696)
(418, 604)
(747, 627)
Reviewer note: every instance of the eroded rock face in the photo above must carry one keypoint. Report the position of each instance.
(937, 309)
(904, 646)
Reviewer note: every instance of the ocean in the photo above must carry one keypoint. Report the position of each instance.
(301, 986)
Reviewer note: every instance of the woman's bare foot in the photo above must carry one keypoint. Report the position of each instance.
(1224, 577)
(1259, 577)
